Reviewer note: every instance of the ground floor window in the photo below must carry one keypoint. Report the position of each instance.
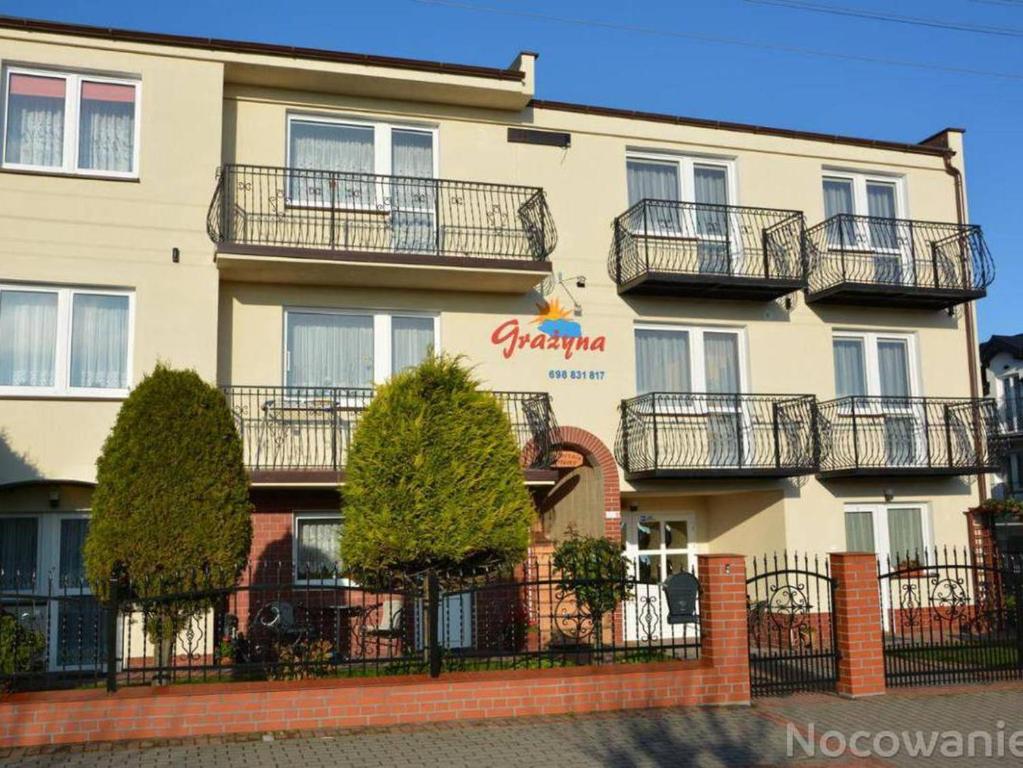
(900, 532)
(317, 538)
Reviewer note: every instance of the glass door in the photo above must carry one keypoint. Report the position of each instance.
(78, 633)
(657, 547)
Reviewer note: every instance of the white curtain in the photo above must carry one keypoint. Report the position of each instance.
(850, 376)
(35, 123)
(653, 181)
(106, 138)
(412, 156)
(712, 189)
(721, 352)
(905, 532)
(99, 341)
(28, 338)
(662, 361)
(859, 531)
(329, 350)
(838, 198)
(884, 234)
(318, 548)
(411, 339)
(330, 147)
(894, 368)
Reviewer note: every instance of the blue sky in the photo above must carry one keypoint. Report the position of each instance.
(666, 62)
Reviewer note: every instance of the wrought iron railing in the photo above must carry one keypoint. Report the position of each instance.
(301, 208)
(285, 620)
(311, 428)
(675, 238)
(873, 250)
(694, 433)
(914, 434)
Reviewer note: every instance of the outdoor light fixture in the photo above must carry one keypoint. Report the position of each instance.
(580, 282)
(54, 499)
(175, 255)
(889, 494)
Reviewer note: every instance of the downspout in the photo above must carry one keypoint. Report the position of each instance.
(971, 335)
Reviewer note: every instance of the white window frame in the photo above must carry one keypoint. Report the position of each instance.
(882, 537)
(697, 356)
(686, 173)
(299, 515)
(872, 372)
(72, 108)
(860, 180)
(382, 149)
(62, 358)
(382, 327)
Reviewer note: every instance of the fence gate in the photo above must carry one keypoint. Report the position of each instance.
(791, 635)
(951, 617)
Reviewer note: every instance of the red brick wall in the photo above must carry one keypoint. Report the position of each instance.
(720, 677)
(858, 632)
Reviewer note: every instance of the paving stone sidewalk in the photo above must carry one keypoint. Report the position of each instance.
(676, 737)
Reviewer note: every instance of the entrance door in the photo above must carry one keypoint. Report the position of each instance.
(657, 547)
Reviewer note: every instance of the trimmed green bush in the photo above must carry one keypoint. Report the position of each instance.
(171, 508)
(433, 479)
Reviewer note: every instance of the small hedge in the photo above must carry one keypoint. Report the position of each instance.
(433, 479)
(171, 508)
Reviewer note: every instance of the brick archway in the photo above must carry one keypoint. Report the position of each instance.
(588, 444)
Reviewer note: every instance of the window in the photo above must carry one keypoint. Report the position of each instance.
(359, 150)
(871, 364)
(18, 553)
(70, 123)
(858, 195)
(334, 348)
(1012, 402)
(670, 180)
(317, 546)
(674, 359)
(65, 341)
(900, 532)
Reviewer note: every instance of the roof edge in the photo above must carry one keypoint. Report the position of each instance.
(790, 133)
(266, 49)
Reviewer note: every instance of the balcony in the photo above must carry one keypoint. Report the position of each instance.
(688, 435)
(296, 225)
(908, 436)
(303, 434)
(698, 250)
(873, 261)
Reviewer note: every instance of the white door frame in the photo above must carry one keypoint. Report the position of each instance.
(633, 608)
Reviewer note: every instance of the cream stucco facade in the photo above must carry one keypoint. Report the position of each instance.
(201, 107)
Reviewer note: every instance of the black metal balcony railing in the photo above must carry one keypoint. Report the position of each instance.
(897, 256)
(676, 242)
(683, 434)
(335, 211)
(908, 436)
(311, 428)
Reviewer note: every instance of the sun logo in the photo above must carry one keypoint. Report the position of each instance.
(550, 311)
(553, 320)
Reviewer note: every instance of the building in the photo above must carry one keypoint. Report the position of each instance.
(1001, 359)
(753, 338)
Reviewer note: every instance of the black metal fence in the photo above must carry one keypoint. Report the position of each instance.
(284, 622)
(951, 616)
(792, 646)
(672, 237)
(897, 252)
(908, 435)
(304, 428)
(302, 208)
(699, 434)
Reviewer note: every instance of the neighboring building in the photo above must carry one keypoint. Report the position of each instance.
(754, 339)
(1001, 358)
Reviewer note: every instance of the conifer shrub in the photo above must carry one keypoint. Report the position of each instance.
(171, 510)
(433, 481)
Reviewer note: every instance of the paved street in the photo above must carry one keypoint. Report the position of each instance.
(679, 737)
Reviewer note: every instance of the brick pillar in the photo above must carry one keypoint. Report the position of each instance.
(857, 617)
(724, 636)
